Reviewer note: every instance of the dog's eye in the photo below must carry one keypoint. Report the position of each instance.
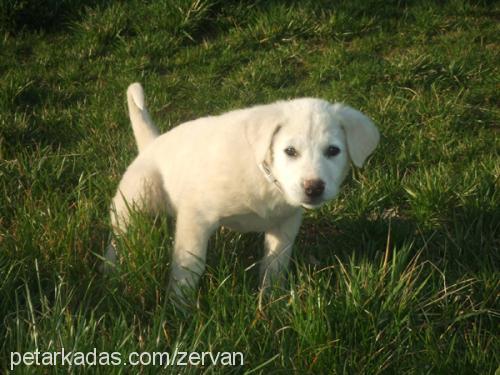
(291, 151)
(332, 151)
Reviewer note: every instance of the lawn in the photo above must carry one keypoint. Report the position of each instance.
(400, 274)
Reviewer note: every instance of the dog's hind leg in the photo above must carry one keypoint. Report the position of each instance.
(141, 188)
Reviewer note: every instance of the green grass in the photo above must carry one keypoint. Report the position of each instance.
(399, 275)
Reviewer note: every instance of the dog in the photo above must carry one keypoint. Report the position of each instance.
(251, 170)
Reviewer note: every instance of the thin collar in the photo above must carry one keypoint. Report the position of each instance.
(264, 167)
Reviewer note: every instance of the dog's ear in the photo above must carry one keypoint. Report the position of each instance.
(260, 136)
(361, 133)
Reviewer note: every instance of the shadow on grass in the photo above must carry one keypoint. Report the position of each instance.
(462, 241)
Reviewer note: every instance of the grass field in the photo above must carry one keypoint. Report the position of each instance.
(400, 274)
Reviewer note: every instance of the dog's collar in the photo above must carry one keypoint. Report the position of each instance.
(264, 167)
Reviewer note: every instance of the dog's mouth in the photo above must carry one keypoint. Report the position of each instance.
(311, 204)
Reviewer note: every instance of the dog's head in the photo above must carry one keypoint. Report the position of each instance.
(308, 145)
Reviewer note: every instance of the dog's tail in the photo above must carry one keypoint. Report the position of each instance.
(145, 130)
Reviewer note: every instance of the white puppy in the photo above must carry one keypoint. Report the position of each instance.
(250, 170)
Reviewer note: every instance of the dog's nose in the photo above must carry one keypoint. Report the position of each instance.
(314, 188)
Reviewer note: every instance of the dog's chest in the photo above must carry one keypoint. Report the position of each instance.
(257, 222)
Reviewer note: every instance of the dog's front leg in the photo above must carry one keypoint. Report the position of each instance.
(188, 261)
(278, 248)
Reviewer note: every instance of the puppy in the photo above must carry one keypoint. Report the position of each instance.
(252, 170)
